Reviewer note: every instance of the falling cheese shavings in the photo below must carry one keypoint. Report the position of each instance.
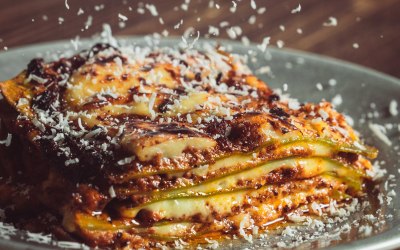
(332, 21)
(7, 141)
(380, 132)
(234, 7)
(253, 4)
(111, 192)
(185, 6)
(296, 10)
(66, 4)
(280, 44)
(75, 43)
(107, 36)
(252, 19)
(245, 40)
(319, 86)
(261, 10)
(80, 12)
(178, 24)
(122, 17)
(212, 30)
(337, 100)
(152, 9)
(190, 45)
(264, 44)
(393, 108)
(332, 82)
(234, 32)
(89, 22)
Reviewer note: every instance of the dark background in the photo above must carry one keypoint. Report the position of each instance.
(372, 24)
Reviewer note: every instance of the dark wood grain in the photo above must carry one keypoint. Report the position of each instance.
(373, 25)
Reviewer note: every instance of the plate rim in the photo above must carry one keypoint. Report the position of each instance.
(274, 49)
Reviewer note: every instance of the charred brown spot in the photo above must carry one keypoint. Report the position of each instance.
(35, 67)
(349, 157)
(245, 134)
(163, 106)
(284, 130)
(172, 73)
(279, 112)
(283, 174)
(109, 78)
(273, 98)
(184, 63)
(119, 235)
(146, 217)
(175, 128)
(147, 68)
(48, 97)
(124, 77)
(219, 77)
(197, 77)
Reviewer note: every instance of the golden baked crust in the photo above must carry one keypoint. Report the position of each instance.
(140, 146)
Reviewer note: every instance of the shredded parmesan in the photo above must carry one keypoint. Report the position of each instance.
(111, 191)
(126, 160)
(296, 10)
(7, 141)
(122, 17)
(331, 22)
(152, 9)
(253, 4)
(380, 132)
(151, 105)
(393, 108)
(66, 4)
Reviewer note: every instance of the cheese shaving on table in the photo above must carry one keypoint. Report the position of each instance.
(296, 10)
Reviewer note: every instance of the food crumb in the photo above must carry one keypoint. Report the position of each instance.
(393, 108)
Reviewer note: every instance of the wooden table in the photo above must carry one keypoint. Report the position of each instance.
(367, 32)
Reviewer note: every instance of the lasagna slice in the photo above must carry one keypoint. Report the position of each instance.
(139, 147)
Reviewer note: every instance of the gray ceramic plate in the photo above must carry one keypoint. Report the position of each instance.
(362, 90)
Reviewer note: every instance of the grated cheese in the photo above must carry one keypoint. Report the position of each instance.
(296, 10)
(152, 8)
(126, 160)
(253, 4)
(7, 141)
(66, 4)
(380, 132)
(112, 193)
(151, 105)
(332, 21)
(337, 100)
(393, 108)
(122, 17)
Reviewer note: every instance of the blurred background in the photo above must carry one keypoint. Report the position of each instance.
(366, 32)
